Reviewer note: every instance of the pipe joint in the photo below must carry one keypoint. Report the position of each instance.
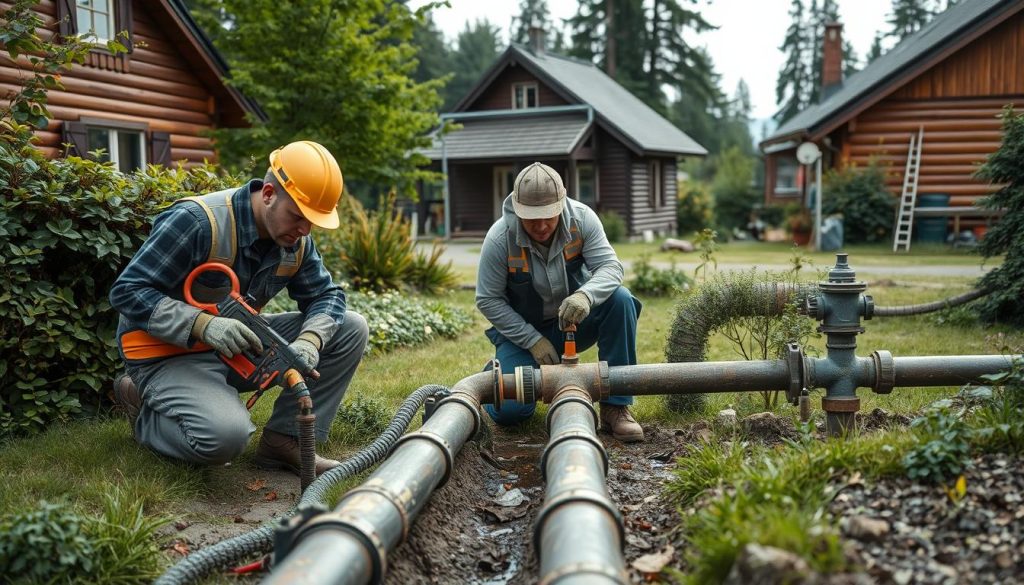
(885, 371)
(470, 402)
(579, 495)
(314, 518)
(440, 442)
(597, 571)
(799, 377)
(570, 436)
(840, 405)
(566, 395)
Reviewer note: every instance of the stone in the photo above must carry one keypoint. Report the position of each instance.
(766, 565)
(679, 245)
(727, 417)
(865, 528)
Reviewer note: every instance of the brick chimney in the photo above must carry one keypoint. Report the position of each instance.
(537, 41)
(832, 60)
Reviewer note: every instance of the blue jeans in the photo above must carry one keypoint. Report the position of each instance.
(611, 325)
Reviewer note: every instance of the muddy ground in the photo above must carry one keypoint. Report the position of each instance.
(466, 536)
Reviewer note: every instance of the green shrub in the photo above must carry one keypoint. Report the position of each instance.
(614, 226)
(69, 226)
(859, 194)
(653, 281)
(400, 321)
(942, 446)
(361, 420)
(1005, 303)
(54, 544)
(695, 208)
(428, 274)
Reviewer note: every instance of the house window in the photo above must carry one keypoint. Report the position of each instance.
(125, 148)
(524, 95)
(787, 176)
(586, 184)
(655, 185)
(96, 17)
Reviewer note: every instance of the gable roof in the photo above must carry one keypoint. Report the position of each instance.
(540, 134)
(946, 33)
(208, 64)
(618, 111)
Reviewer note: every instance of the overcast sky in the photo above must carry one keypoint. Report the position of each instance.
(745, 46)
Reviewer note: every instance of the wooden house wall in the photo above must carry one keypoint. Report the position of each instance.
(498, 96)
(156, 86)
(957, 103)
(642, 215)
(613, 169)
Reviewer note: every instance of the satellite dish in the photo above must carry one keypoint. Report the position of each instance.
(807, 153)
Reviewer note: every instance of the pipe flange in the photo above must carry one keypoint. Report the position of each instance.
(578, 495)
(555, 441)
(393, 498)
(812, 307)
(573, 569)
(885, 371)
(441, 442)
(497, 384)
(830, 405)
(570, 398)
(795, 363)
(360, 528)
(471, 404)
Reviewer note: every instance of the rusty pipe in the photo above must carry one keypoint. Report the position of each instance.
(579, 532)
(350, 544)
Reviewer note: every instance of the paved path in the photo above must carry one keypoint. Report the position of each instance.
(468, 254)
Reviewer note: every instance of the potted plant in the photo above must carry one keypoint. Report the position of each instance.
(800, 225)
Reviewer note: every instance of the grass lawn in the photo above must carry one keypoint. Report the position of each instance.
(83, 460)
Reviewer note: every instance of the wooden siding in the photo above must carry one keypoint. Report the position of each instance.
(158, 88)
(613, 167)
(642, 215)
(472, 189)
(990, 66)
(498, 96)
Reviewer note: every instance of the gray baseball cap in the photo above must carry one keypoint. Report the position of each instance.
(538, 192)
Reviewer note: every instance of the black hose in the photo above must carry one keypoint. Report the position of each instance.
(932, 306)
(260, 540)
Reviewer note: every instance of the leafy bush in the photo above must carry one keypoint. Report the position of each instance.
(653, 281)
(942, 446)
(374, 250)
(859, 194)
(69, 227)
(54, 544)
(428, 274)
(614, 226)
(1005, 303)
(361, 420)
(695, 208)
(400, 321)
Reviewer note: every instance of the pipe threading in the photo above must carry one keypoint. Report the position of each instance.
(260, 540)
(438, 441)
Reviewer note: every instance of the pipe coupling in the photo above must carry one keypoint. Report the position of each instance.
(437, 440)
(835, 405)
(392, 498)
(580, 495)
(799, 377)
(568, 436)
(575, 569)
(885, 371)
(312, 518)
(470, 402)
(565, 396)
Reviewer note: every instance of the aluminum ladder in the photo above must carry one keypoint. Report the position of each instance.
(905, 215)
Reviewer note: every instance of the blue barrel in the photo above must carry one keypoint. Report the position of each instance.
(932, 229)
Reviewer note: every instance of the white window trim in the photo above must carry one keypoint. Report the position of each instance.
(111, 23)
(114, 151)
(526, 86)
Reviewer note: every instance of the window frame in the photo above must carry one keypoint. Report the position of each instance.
(115, 126)
(111, 18)
(525, 86)
(597, 181)
(655, 184)
(791, 192)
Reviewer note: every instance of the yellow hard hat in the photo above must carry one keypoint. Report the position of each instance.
(309, 173)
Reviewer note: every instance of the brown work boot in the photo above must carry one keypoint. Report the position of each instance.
(618, 421)
(126, 397)
(278, 451)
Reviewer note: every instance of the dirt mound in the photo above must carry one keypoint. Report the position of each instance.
(879, 419)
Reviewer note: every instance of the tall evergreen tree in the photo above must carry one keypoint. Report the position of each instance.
(876, 49)
(612, 34)
(794, 86)
(476, 49)
(432, 51)
(531, 13)
(672, 61)
(908, 16)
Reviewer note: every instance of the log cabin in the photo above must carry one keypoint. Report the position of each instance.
(154, 104)
(947, 83)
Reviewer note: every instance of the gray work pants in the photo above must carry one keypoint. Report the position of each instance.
(190, 404)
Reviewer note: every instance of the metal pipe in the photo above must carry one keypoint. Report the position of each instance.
(579, 532)
(951, 370)
(372, 519)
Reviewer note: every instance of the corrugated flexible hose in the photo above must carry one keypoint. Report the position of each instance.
(260, 540)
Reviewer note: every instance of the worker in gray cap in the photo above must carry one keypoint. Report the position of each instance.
(547, 263)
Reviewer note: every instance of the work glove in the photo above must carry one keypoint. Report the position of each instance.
(229, 337)
(574, 309)
(307, 348)
(544, 352)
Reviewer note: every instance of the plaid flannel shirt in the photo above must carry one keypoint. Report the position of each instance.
(149, 292)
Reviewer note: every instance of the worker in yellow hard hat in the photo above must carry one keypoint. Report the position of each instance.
(181, 398)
